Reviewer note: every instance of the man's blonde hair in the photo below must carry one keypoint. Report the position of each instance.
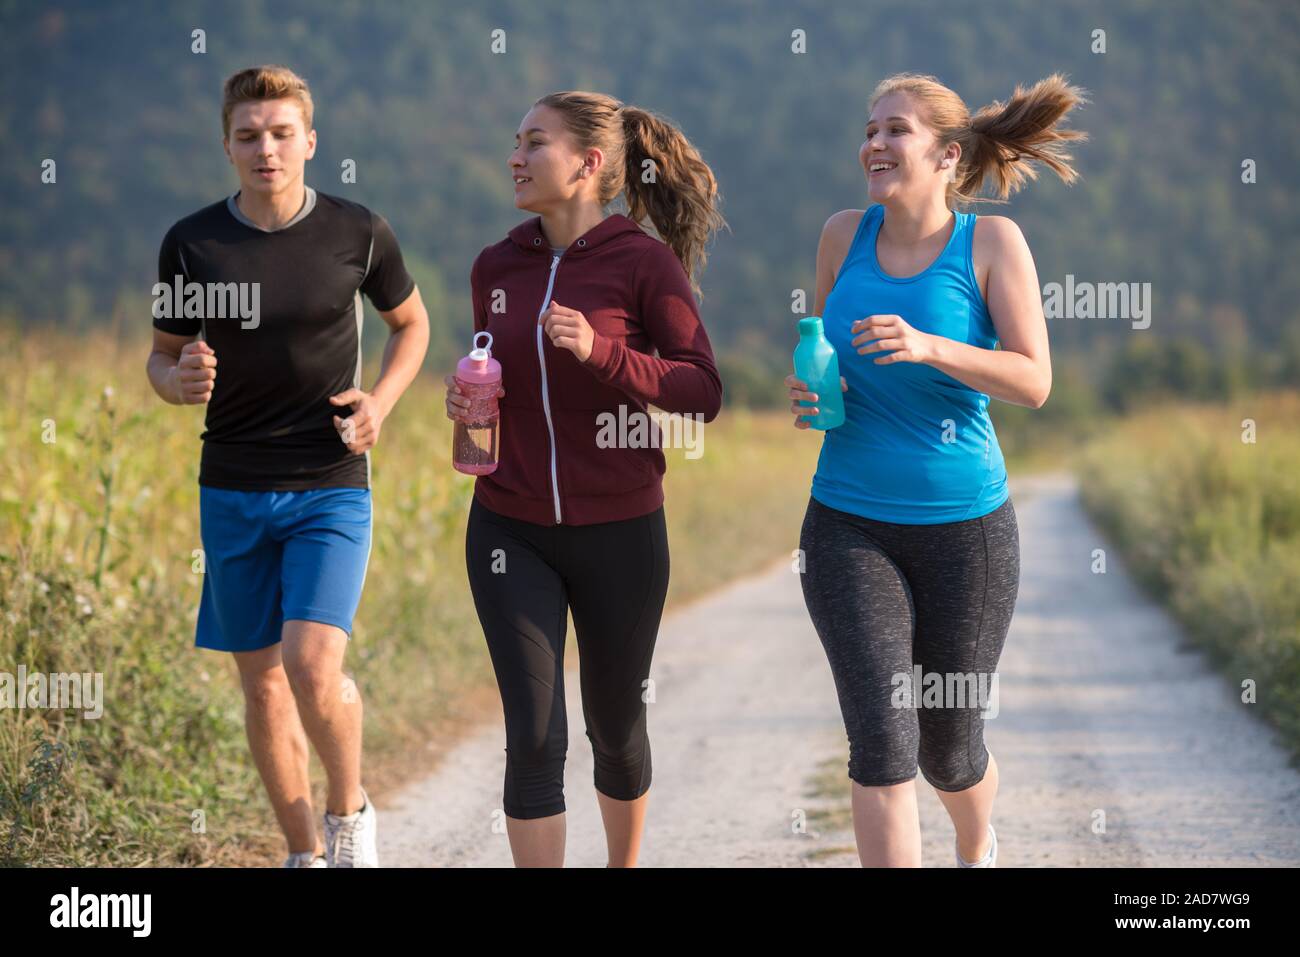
(264, 83)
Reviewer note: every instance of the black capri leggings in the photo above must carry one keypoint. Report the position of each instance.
(885, 597)
(525, 577)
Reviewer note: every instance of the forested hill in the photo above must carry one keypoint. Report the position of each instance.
(414, 93)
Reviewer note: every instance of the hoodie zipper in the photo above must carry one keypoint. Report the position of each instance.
(546, 399)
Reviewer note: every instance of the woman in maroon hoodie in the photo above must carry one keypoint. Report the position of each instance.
(588, 313)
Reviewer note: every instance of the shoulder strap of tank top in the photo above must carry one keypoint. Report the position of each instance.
(967, 222)
(859, 244)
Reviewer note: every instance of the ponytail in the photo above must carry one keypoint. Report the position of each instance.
(1005, 140)
(648, 161)
(1000, 143)
(667, 181)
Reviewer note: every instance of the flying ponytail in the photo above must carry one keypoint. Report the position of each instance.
(1002, 141)
(649, 161)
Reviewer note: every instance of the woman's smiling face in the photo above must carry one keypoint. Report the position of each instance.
(904, 149)
(546, 160)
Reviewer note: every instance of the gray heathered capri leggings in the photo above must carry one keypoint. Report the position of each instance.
(884, 597)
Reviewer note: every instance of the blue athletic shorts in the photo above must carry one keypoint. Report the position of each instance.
(275, 556)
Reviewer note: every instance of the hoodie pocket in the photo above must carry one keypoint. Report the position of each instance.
(595, 459)
(524, 455)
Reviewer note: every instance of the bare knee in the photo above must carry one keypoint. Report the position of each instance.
(313, 666)
(317, 688)
(267, 698)
(263, 680)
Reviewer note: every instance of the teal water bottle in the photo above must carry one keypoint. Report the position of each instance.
(816, 364)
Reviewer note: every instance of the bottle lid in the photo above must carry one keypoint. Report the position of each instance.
(479, 366)
(481, 353)
(810, 326)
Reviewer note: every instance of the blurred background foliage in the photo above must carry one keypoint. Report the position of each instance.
(1183, 93)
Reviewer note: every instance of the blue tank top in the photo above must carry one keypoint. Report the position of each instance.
(917, 447)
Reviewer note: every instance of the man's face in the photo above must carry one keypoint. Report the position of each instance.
(269, 145)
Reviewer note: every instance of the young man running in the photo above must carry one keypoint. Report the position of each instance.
(268, 284)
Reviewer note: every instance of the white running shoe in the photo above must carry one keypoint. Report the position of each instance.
(990, 856)
(304, 859)
(350, 839)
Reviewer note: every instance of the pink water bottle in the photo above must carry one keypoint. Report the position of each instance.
(475, 434)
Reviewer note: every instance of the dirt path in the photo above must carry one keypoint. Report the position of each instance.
(1102, 710)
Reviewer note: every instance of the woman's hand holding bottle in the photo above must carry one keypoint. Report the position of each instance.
(457, 401)
(799, 393)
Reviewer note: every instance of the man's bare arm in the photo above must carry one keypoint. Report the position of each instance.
(181, 369)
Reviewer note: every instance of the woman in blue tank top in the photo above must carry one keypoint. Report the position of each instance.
(911, 553)
(917, 446)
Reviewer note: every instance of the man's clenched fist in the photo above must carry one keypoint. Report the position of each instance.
(195, 373)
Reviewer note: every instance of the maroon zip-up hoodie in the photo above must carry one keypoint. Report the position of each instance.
(637, 298)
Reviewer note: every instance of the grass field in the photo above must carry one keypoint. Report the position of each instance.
(1204, 503)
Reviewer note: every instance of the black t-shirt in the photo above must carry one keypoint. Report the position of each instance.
(269, 423)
